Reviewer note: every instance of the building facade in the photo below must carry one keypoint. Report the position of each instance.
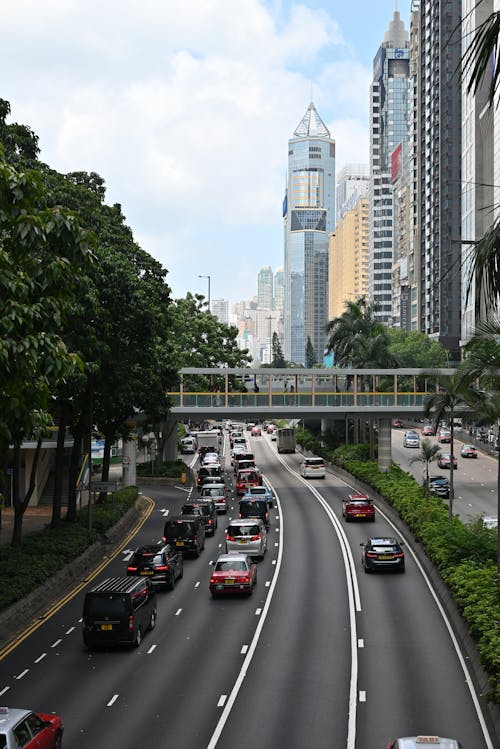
(348, 261)
(389, 120)
(265, 288)
(353, 182)
(309, 218)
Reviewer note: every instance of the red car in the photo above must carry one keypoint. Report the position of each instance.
(468, 451)
(358, 507)
(233, 574)
(246, 478)
(30, 730)
(444, 436)
(428, 430)
(444, 461)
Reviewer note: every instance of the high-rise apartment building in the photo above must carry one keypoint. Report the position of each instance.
(348, 268)
(309, 216)
(265, 291)
(220, 309)
(439, 169)
(388, 127)
(353, 182)
(279, 289)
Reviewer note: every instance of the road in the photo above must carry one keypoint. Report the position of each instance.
(321, 655)
(475, 479)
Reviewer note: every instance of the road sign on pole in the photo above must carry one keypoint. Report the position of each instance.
(104, 486)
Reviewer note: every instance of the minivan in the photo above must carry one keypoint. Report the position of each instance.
(255, 508)
(313, 468)
(186, 532)
(118, 610)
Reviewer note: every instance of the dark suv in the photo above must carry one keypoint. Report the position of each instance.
(207, 511)
(118, 610)
(162, 564)
(255, 508)
(187, 533)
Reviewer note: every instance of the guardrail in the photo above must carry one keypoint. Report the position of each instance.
(275, 399)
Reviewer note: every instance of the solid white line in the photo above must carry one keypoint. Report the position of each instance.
(40, 657)
(55, 644)
(5, 689)
(244, 649)
(178, 612)
(70, 630)
(362, 696)
(222, 700)
(23, 673)
(112, 700)
(151, 649)
(248, 658)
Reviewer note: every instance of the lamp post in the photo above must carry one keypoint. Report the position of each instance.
(208, 279)
(270, 338)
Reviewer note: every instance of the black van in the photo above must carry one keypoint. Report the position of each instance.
(255, 508)
(118, 610)
(186, 532)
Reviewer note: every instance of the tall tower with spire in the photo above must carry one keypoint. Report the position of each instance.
(309, 216)
(389, 127)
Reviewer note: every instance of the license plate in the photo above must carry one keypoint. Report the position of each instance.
(147, 572)
(359, 515)
(179, 543)
(106, 627)
(243, 541)
(385, 556)
(229, 581)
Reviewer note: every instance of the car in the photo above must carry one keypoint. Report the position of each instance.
(247, 536)
(217, 493)
(185, 532)
(29, 730)
(250, 426)
(208, 511)
(162, 564)
(397, 423)
(246, 478)
(118, 610)
(428, 430)
(490, 521)
(262, 492)
(211, 481)
(208, 471)
(243, 463)
(188, 445)
(411, 439)
(358, 507)
(233, 574)
(254, 507)
(440, 486)
(313, 468)
(383, 553)
(256, 431)
(444, 435)
(240, 456)
(420, 742)
(445, 460)
(468, 451)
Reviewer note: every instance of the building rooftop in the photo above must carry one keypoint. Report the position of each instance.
(311, 125)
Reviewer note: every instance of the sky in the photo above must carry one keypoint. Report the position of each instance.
(185, 108)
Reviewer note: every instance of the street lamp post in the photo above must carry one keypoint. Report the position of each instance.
(270, 338)
(208, 279)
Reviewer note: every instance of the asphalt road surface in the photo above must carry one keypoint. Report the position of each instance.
(321, 655)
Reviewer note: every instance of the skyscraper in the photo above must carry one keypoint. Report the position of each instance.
(348, 259)
(279, 289)
(353, 182)
(265, 295)
(389, 121)
(309, 216)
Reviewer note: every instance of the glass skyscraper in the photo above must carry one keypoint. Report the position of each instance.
(309, 216)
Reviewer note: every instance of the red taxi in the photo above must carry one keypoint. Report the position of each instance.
(358, 507)
(233, 573)
(19, 727)
(247, 478)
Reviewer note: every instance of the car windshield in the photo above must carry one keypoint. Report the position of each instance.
(105, 605)
(314, 462)
(212, 491)
(147, 557)
(258, 490)
(360, 501)
(180, 530)
(243, 530)
(233, 566)
(383, 548)
(253, 506)
(204, 508)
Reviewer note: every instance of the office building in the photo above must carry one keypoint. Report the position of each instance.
(265, 291)
(279, 289)
(389, 115)
(220, 309)
(353, 182)
(348, 269)
(309, 217)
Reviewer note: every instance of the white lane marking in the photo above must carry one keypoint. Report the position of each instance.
(277, 517)
(70, 630)
(151, 649)
(362, 696)
(244, 649)
(258, 612)
(23, 673)
(178, 612)
(127, 554)
(55, 644)
(222, 700)
(80, 620)
(361, 643)
(274, 561)
(220, 546)
(112, 700)
(164, 511)
(40, 657)
(197, 585)
(276, 543)
(268, 583)
(5, 689)
(249, 655)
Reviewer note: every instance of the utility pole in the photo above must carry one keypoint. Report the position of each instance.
(270, 338)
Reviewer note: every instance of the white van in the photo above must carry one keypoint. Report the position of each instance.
(313, 468)
(188, 445)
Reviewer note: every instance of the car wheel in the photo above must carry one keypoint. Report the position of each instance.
(366, 569)
(58, 740)
(402, 569)
(138, 637)
(152, 619)
(372, 519)
(171, 581)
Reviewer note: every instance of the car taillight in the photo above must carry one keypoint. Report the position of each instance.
(240, 515)
(195, 539)
(213, 580)
(255, 538)
(163, 538)
(210, 521)
(131, 623)
(230, 538)
(162, 567)
(131, 569)
(399, 554)
(371, 554)
(245, 579)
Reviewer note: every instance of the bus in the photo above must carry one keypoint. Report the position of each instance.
(285, 440)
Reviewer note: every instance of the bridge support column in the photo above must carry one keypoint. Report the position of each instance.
(384, 445)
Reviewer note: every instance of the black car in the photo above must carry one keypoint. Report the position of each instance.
(440, 486)
(161, 564)
(383, 554)
(118, 610)
(255, 508)
(187, 533)
(206, 509)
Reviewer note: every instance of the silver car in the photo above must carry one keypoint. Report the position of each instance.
(217, 493)
(247, 536)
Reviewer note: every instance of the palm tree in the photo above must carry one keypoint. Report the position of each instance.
(428, 454)
(357, 320)
(452, 393)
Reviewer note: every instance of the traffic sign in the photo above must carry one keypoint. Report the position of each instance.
(104, 486)
(125, 460)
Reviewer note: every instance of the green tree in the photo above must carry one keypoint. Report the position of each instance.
(278, 360)
(356, 338)
(413, 349)
(428, 454)
(310, 354)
